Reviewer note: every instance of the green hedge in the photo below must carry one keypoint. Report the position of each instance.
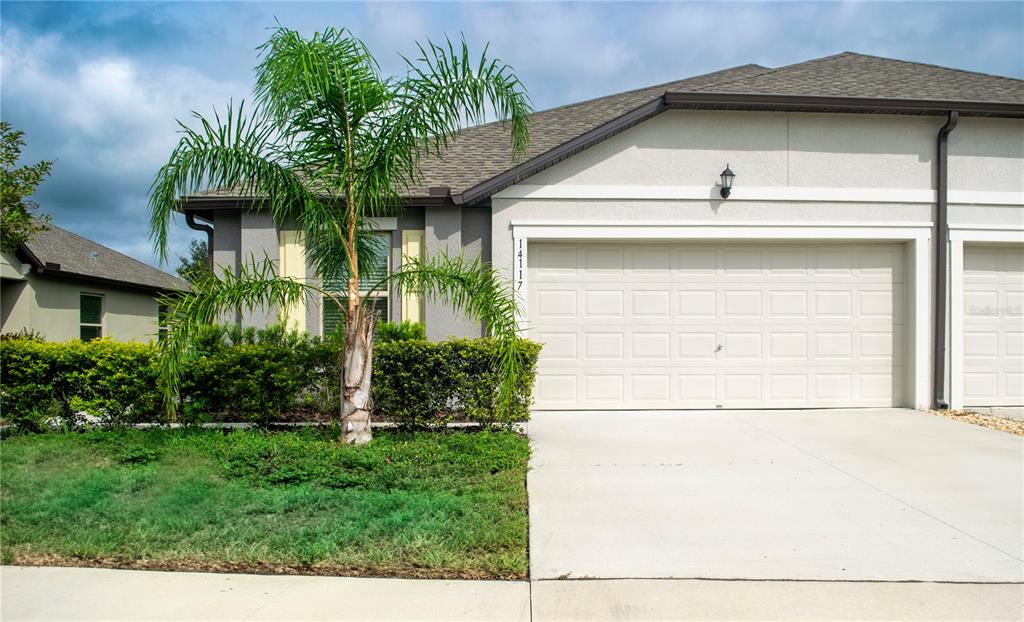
(257, 377)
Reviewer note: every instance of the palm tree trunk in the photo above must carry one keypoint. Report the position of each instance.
(355, 419)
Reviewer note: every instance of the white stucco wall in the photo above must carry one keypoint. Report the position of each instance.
(861, 168)
(795, 168)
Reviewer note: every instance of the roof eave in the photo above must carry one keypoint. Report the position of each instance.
(107, 281)
(859, 105)
(203, 207)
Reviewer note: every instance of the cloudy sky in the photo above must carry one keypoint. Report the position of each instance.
(98, 86)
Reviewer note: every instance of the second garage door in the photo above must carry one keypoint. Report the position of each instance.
(993, 325)
(734, 325)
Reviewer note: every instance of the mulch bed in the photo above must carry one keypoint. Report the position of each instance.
(1013, 426)
(196, 565)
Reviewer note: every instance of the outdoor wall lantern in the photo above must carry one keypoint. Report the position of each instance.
(727, 177)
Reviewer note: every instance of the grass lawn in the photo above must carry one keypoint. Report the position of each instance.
(426, 504)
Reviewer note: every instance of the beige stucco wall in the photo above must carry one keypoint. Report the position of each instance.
(50, 306)
(10, 267)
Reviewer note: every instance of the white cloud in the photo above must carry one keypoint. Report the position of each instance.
(122, 111)
(109, 122)
(568, 47)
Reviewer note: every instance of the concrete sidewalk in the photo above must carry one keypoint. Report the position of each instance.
(98, 594)
(51, 594)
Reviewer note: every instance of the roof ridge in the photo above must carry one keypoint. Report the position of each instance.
(104, 246)
(627, 92)
(857, 54)
(778, 69)
(655, 86)
(920, 64)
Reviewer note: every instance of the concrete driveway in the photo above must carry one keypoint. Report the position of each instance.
(882, 495)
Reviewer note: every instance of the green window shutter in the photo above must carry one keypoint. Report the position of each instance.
(91, 309)
(334, 316)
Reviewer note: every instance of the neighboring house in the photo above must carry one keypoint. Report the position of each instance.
(868, 194)
(65, 287)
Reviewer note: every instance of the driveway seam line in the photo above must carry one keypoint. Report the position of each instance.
(876, 488)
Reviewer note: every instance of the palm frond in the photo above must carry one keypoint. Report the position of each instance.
(442, 91)
(239, 152)
(325, 251)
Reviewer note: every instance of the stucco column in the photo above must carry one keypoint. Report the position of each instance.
(443, 227)
(259, 242)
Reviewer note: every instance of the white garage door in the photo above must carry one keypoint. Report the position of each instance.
(993, 325)
(699, 325)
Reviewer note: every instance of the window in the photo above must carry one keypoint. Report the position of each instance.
(161, 322)
(370, 276)
(90, 317)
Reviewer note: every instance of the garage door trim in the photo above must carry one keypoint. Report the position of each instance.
(916, 234)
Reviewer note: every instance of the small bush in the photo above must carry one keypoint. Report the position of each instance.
(24, 333)
(401, 331)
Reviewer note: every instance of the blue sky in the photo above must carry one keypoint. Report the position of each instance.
(97, 86)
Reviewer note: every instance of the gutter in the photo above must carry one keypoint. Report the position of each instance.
(941, 267)
(55, 270)
(829, 103)
(190, 220)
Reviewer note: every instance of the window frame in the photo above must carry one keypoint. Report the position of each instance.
(103, 316)
(382, 295)
(162, 310)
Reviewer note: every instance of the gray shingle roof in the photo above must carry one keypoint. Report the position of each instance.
(78, 256)
(859, 75)
(480, 153)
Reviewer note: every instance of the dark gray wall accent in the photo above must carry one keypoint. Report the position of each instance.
(445, 232)
(227, 246)
(476, 233)
(227, 240)
(259, 242)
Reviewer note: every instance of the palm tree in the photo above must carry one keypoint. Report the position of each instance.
(330, 143)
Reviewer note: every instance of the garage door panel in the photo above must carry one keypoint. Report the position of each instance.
(992, 340)
(651, 302)
(705, 326)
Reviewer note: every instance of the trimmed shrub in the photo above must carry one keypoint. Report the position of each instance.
(400, 331)
(423, 383)
(113, 381)
(256, 376)
(249, 382)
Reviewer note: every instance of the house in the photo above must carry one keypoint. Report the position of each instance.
(65, 287)
(870, 250)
